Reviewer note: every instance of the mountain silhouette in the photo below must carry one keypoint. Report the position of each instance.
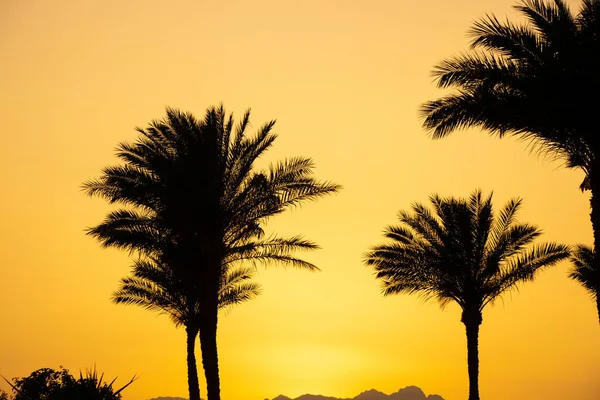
(372, 395)
(314, 397)
(169, 398)
(407, 393)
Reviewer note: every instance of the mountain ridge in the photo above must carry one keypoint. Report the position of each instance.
(406, 393)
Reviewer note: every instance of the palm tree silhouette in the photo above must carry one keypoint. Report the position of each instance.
(461, 252)
(192, 196)
(536, 81)
(584, 271)
(155, 287)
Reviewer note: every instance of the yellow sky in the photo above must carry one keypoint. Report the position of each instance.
(344, 79)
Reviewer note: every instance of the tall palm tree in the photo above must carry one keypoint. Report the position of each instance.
(191, 194)
(155, 287)
(585, 272)
(538, 81)
(464, 253)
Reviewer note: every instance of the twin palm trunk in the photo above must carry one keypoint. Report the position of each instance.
(192, 370)
(210, 361)
(472, 322)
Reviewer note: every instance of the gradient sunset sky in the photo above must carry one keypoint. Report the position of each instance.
(344, 79)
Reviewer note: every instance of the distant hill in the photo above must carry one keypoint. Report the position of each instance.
(408, 393)
(169, 398)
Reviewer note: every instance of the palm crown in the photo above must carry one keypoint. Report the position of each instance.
(462, 253)
(195, 203)
(534, 80)
(193, 193)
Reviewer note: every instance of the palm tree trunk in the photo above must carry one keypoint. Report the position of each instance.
(595, 218)
(472, 321)
(598, 305)
(210, 359)
(193, 385)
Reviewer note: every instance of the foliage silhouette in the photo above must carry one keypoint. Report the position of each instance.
(585, 272)
(536, 81)
(155, 287)
(49, 384)
(461, 252)
(193, 197)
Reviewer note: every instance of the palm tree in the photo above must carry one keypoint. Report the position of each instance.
(155, 287)
(464, 253)
(538, 81)
(191, 195)
(585, 273)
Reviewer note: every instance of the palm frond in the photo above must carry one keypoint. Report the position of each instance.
(273, 250)
(512, 240)
(471, 70)
(238, 294)
(504, 220)
(510, 41)
(294, 182)
(145, 294)
(524, 268)
(583, 270)
(424, 223)
(553, 22)
(125, 184)
(130, 230)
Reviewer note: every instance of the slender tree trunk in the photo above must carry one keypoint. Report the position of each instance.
(598, 305)
(193, 385)
(594, 177)
(472, 321)
(210, 278)
(210, 359)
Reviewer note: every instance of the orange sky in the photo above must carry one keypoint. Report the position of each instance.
(344, 79)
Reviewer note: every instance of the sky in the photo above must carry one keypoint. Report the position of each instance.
(344, 79)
